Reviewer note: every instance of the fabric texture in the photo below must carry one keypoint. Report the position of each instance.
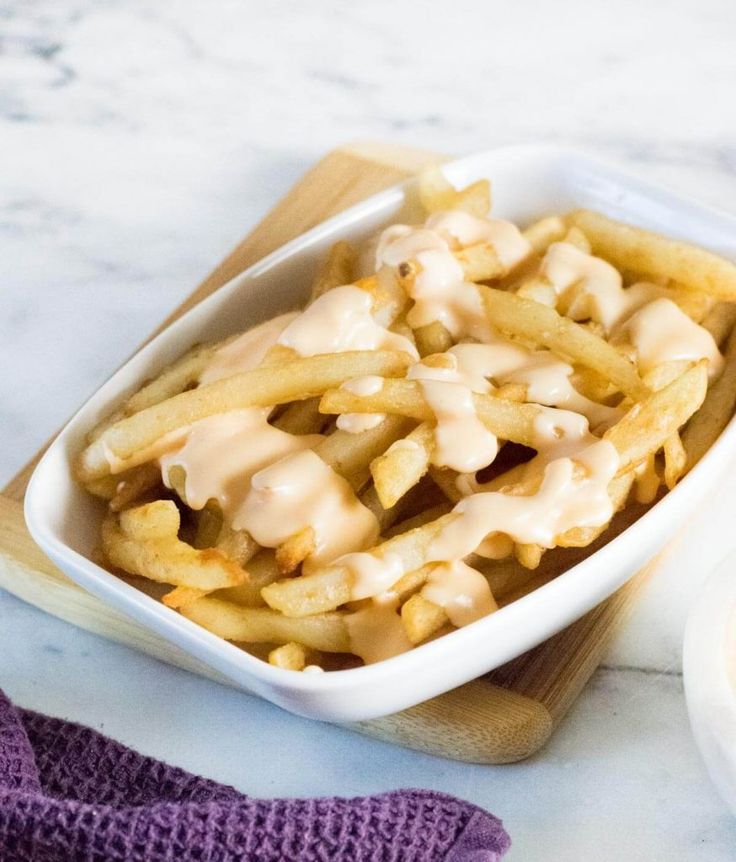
(70, 794)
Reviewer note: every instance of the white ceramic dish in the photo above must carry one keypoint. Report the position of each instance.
(709, 672)
(528, 182)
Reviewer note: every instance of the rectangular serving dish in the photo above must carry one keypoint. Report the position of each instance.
(528, 182)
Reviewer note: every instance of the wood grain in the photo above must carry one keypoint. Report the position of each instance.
(498, 719)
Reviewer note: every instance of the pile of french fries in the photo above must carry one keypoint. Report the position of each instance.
(298, 616)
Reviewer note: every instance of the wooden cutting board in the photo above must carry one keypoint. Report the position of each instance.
(500, 718)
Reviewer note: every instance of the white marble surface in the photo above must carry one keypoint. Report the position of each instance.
(139, 142)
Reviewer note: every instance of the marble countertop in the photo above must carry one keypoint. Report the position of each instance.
(140, 141)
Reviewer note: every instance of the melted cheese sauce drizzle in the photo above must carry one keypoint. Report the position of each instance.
(338, 321)
(354, 423)
(439, 290)
(462, 591)
(302, 491)
(590, 288)
(461, 229)
(222, 453)
(376, 632)
(247, 350)
(662, 332)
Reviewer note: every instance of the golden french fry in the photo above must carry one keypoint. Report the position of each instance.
(133, 440)
(157, 520)
(402, 465)
(543, 326)
(529, 555)
(325, 632)
(720, 321)
(541, 234)
(481, 262)
(330, 587)
(209, 526)
(290, 656)
(350, 455)
(509, 420)
(301, 417)
(422, 618)
(641, 431)
(436, 193)
(644, 429)
(675, 459)
(104, 487)
(238, 545)
(134, 485)
(145, 543)
(292, 553)
(576, 237)
(181, 596)
(707, 424)
(262, 570)
(433, 338)
(655, 256)
(338, 268)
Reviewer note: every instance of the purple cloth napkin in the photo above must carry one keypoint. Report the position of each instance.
(69, 794)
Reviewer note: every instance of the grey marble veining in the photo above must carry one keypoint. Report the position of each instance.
(139, 141)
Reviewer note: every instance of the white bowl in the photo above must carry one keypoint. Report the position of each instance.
(709, 673)
(528, 182)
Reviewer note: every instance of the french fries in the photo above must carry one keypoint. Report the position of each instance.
(436, 193)
(129, 440)
(143, 541)
(301, 611)
(338, 268)
(544, 327)
(716, 412)
(657, 257)
(324, 632)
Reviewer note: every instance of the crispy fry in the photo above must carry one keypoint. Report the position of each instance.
(436, 193)
(720, 321)
(717, 410)
(433, 338)
(301, 417)
(350, 455)
(132, 440)
(541, 234)
(181, 596)
(209, 526)
(543, 326)
(144, 542)
(290, 656)
(509, 420)
(646, 426)
(576, 237)
(675, 459)
(422, 618)
(291, 553)
(326, 632)
(655, 256)
(403, 464)
(134, 484)
(330, 587)
(528, 555)
(238, 545)
(338, 268)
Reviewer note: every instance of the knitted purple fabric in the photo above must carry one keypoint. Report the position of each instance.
(69, 794)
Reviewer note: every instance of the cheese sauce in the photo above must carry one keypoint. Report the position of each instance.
(461, 591)
(338, 321)
(302, 491)
(222, 453)
(661, 332)
(247, 350)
